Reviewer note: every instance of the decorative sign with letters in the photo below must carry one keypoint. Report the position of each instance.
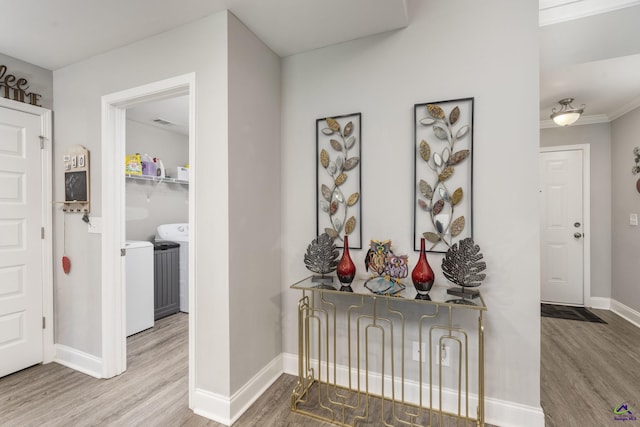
(15, 88)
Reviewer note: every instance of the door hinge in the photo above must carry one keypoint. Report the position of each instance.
(123, 252)
(42, 138)
(42, 233)
(44, 322)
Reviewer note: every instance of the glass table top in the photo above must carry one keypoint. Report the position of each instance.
(378, 287)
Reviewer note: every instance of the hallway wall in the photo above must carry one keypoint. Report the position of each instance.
(450, 50)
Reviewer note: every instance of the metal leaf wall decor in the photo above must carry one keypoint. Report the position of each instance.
(338, 193)
(443, 173)
(462, 264)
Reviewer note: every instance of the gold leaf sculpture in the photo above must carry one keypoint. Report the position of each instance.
(426, 189)
(333, 124)
(351, 163)
(457, 226)
(444, 126)
(435, 111)
(324, 158)
(431, 237)
(326, 192)
(331, 232)
(350, 225)
(333, 207)
(437, 206)
(336, 144)
(348, 128)
(440, 133)
(340, 179)
(425, 150)
(454, 115)
(445, 174)
(456, 197)
(457, 157)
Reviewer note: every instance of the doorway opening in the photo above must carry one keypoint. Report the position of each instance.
(565, 229)
(114, 115)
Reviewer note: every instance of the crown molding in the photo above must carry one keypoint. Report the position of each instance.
(635, 103)
(556, 11)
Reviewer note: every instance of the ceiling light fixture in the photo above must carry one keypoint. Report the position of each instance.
(567, 114)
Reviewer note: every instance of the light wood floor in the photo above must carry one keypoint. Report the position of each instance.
(587, 369)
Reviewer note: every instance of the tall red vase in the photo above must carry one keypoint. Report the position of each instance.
(422, 275)
(346, 268)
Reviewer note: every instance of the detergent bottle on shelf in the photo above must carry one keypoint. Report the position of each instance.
(148, 167)
(159, 167)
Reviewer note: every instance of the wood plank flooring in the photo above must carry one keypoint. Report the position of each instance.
(587, 369)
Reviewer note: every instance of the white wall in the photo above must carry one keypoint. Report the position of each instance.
(254, 204)
(455, 49)
(598, 136)
(237, 200)
(150, 204)
(40, 79)
(200, 47)
(626, 200)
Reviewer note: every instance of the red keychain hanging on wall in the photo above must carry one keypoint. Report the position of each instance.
(66, 264)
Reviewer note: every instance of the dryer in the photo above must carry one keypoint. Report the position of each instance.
(139, 286)
(179, 233)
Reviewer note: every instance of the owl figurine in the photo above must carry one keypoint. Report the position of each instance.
(396, 267)
(384, 263)
(376, 257)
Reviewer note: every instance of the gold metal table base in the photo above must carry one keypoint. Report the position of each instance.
(369, 385)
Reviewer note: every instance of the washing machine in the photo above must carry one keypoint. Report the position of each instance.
(139, 285)
(179, 233)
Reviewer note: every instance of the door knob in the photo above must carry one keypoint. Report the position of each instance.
(577, 235)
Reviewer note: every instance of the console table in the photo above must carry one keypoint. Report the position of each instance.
(355, 351)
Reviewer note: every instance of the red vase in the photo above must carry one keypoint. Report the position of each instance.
(422, 275)
(346, 268)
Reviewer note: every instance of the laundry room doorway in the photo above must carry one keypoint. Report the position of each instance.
(137, 223)
(157, 211)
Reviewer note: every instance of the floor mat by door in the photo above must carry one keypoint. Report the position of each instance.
(567, 312)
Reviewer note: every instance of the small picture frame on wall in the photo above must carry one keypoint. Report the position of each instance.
(443, 172)
(338, 178)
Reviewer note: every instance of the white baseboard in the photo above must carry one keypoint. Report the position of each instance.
(497, 412)
(213, 406)
(227, 410)
(600, 303)
(78, 360)
(625, 312)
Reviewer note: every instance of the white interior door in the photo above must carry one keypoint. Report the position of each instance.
(561, 227)
(21, 275)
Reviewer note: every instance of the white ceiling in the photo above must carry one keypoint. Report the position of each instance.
(592, 54)
(56, 33)
(588, 48)
(172, 110)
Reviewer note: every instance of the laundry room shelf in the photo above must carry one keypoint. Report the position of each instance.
(156, 179)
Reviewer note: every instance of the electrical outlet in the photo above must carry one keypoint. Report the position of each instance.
(445, 356)
(417, 352)
(633, 219)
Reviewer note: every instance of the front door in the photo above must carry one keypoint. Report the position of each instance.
(561, 227)
(21, 219)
